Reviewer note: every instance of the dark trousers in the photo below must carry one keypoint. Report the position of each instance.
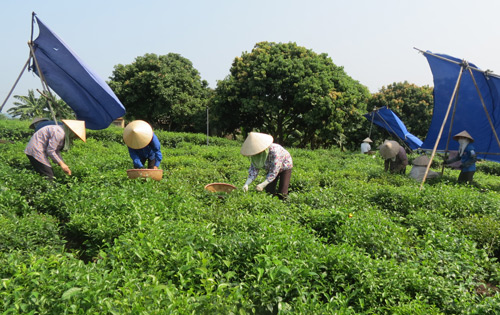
(151, 163)
(41, 168)
(466, 177)
(284, 179)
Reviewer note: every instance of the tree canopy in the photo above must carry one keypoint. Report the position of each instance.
(30, 106)
(411, 103)
(298, 96)
(166, 90)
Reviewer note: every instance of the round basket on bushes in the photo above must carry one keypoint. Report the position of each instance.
(145, 173)
(220, 187)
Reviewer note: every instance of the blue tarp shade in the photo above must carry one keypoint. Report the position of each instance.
(82, 89)
(469, 113)
(385, 118)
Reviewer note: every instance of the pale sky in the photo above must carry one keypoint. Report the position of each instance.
(373, 40)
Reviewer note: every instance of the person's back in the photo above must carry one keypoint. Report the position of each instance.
(365, 147)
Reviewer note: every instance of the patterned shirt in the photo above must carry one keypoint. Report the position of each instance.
(46, 142)
(278, 160)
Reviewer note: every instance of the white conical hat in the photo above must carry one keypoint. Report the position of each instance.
(255, 143)
(463, 134)
(422, 160)
(137, 134)
(78, 127)
(367, 139)
(389, 149)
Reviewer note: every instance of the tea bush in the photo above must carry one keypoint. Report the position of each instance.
(350, 239)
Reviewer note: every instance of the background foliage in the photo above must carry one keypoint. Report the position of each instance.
(164, 90)
(351, 239)
(411, 103)
(29, 106)
(298, 96)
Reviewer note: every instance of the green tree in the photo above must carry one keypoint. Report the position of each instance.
(30, 106)
(411, 103)
(300, 97)
(164, 90)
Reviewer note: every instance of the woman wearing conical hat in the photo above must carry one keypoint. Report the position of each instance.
(143, 145)
(365, 146)
(419, 167)
(47, 143)
(394, 156)
(271, 157)
(466, 155)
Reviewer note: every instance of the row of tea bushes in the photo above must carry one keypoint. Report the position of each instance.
(350, 239)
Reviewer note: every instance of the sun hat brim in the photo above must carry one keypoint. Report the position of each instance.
(77, 127)
(389, 149)
(255, 143)
(37, 120)
(422, 160)
(137, 134)
(463, 134)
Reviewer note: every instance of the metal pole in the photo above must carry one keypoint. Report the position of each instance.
(207, 126)
(442, 127)
(373, 116)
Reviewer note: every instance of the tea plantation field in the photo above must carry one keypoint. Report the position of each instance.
(351, 239)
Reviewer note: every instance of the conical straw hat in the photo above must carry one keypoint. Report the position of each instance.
(137, 134)
(367, 140)
(78, 127)
(35, 120)
(389, 149)
(463, 134)
(255, 143)
(422, 160)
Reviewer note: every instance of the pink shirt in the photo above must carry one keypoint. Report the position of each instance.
(277, 161)
(46, 142)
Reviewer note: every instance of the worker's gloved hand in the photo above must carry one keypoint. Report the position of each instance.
(245, 187)
(261, 186)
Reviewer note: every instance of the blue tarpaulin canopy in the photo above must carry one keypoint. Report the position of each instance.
(385, 118)
(81, 88)
(467, 111)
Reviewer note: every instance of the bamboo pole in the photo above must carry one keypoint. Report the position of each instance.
(15, 83)
(442, 127)
(451, 128)
(45, 86)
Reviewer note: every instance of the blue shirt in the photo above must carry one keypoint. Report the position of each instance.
(468, 159)
(44, 123)
(149, 152)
